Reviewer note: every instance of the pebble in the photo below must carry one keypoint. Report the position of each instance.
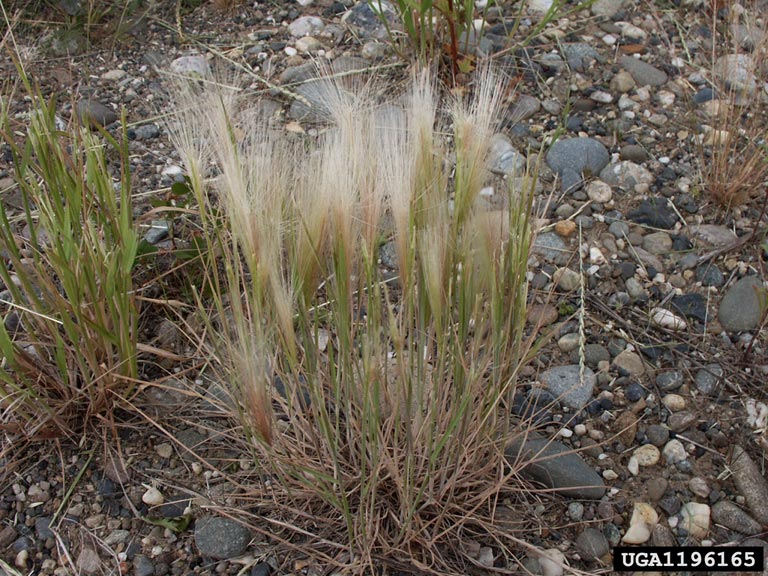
(633, 153)
(657, 435)
(695, 519)
(504, 160)
(592, 544)
(674, 452)
(622, 82)
(647, 455)
(654, 212)
(668, 381)
(627, 176)
(713, 235)
(731, 516)
(566, 383)
(657, 243)
(114, 75)
(698, 486)
(708, 378)
(152, 497)
(674, 402)
(88, 561)
(551, 562)
(306, 26)
(737, 71)
(93, 113)
(630, 363)
(633, 466)
(164, 450)
(644, 518)
(556, 466)
(576, 511)
(566, 228)
(644, 74)
(567, 279)
(656, 487)
(195, 65)
(568, 342)
(143, 566)
(599, 191)
(220, 538)
(679, 421)
(551, 247)
(740, 309)
(710, 275)
(667, 319)
(570, 158)
(662, 536)
(750, 483)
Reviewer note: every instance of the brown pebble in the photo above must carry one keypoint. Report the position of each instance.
(565, 228)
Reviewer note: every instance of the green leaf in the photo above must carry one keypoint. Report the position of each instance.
(176, 525)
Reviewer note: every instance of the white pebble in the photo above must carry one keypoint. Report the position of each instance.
(610, 475)
(674, 402)
(674, 451)
(694, 517)
(602, 97)
(551, 562)
(633, 466)
(644, 518)
(647, 455)
(152, 497)
(580, 429)
(290, 51)
(566, 433)
(666, 319)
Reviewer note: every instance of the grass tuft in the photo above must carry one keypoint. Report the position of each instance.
(393, 434)
(70, 325)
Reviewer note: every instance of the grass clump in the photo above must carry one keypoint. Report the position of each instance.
(69, 336)
(734, 159)
(374, 402)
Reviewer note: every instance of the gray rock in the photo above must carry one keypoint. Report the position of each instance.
(710, 275)
(565, 382)
(654, 212)
(737, 71)
(143, 566)
(607, 8)
(147, 131)
(633, 153)
(619, 229)
(630, 362)
(88, 561)
(503, 158)
(579, 156)
(662, 536)
(635, 290)
(524, 107)
(708, 378)
(626, 175)
(366, 20)
(713, 235)
(576, 511)
(592, 544)
(669, 381)
(596, 353)
(195, 65)
(93, 113)
(643, 73)
(43, 527)
(158, 231)
(733, 517)
(751, 483)
(656, 487)
(580, 55)
(220, 538)
(306, 26)
(657, 243)
(740, 308)
(555, 466)
(550, 246)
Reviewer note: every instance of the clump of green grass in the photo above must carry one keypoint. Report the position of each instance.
(390, 437)
(70, 353)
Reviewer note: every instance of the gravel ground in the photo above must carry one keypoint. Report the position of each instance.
(668, 415)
